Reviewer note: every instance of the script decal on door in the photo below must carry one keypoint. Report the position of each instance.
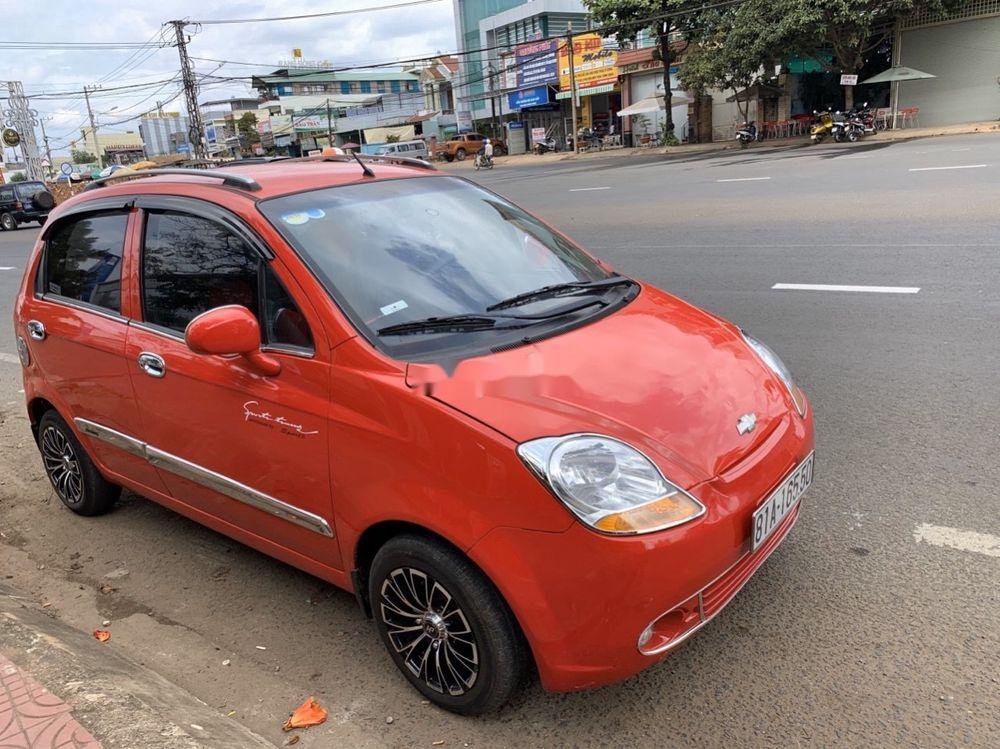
(255, 415)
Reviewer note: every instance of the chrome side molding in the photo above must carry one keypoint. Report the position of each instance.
(206, 477)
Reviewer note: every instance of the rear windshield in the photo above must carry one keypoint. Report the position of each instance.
(396, 251)
(27, 189)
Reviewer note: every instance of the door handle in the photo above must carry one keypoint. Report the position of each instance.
(36, 330)
(152, 364)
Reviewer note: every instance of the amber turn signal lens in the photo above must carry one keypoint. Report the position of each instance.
(671, 510)
(799, 399)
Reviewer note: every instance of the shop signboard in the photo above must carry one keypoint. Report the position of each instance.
(595, 62)
(537, 135)
(463, 118)
(508, 71)
(528, 97)
(848, 80)
(536, 63)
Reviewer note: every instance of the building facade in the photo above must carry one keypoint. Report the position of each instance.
(473, 73)
(164, 133)
(110, 147)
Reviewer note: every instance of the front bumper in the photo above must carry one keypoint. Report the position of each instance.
(583, 599)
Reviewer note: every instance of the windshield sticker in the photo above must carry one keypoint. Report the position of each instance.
(394, 307)
(295, 219)
(315, 213)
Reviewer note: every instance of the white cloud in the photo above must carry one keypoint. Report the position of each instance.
(361, 39)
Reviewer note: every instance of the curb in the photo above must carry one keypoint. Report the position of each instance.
(121, 702)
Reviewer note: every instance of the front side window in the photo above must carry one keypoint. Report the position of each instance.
(192, 264)
(405, 250)
(83, 260)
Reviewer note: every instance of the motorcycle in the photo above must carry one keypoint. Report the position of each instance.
(747, 134)
(822, 127)
(545, 145)
(483, 161)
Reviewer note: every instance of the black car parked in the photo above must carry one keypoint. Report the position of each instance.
(24, 201)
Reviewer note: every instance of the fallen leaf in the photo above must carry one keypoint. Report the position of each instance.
(293, 740)
(102, 634)
(106, 589)
(309, 713)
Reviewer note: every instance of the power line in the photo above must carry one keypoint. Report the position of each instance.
(317, 15)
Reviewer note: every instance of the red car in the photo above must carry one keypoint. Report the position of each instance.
(407, 386)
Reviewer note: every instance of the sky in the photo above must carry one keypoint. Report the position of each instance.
(356, 39)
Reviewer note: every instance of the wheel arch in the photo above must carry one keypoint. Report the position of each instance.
(37, 407)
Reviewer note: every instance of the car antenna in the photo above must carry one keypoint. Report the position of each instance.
(364, 167)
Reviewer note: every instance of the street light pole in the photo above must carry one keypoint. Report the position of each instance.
(93, 125)
(45, 139)
(572, 85)
(329, 123)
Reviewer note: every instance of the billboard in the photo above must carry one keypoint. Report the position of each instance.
(528, 97)
(595, 62)
(536, 63)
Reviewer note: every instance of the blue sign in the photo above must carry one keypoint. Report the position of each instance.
(210, 133)
(529, 97)
(184, 148)
(536, 63)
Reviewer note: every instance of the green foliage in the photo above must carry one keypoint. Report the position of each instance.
(246, 129)
(82, 157)
(392, 138)
(19, 177)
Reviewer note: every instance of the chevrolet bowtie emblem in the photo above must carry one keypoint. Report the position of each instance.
(746, 423)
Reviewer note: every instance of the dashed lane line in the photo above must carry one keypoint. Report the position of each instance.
(743, 179)
(957, 538)
(588, 189)
(837, 287)
(945, 168)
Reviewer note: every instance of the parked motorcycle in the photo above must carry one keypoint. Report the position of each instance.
(822, 128)
(747, 134)
(545, 145)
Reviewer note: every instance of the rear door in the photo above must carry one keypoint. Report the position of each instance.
(247, 449)
(76, 325)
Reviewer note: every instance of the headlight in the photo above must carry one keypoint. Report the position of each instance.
(774, 363)
(608, 485)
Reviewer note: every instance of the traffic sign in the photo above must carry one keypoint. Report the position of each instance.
(66, 168)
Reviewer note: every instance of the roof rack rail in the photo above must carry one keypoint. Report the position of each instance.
(228, 178)
(383, 159)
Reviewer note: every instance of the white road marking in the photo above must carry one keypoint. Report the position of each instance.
(7, 267)
(858, 156)
(743, 179)
(837, 287)
(587, 189)
(9, 358)
(961, 149)
(943, 168)
(956, 538)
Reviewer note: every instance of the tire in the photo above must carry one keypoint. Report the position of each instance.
(501, 151)
(449, 158)
(8, 222)
(853, 136)
(42, 220)
(476, 164)
(477, 636)
(43, 199)
(76, 480)
(460, 154)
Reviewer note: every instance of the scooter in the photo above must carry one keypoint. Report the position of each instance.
(747, 134)
(545, 145)
(822, 128)
(483, 161)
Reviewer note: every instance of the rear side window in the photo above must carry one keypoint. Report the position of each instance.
(6, 194)
(191, 265)
(83, 260)
(27, 189)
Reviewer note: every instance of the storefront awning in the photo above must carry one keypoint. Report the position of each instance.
(588, 91)
(655, 104)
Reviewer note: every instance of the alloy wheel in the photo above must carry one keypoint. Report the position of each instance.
(62, 465)
(429, 631)
(7, 222)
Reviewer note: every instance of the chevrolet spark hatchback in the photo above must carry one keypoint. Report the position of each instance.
(413, 389)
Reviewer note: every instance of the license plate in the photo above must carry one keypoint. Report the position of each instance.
(769, 515)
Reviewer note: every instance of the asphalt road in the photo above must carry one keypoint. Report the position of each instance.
(877, 623)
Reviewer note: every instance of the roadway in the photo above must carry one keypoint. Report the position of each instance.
(876, 623)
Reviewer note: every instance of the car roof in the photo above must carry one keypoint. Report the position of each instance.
(275, 178)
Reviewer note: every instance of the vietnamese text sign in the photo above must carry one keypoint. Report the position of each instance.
(537, 134)
(528, 97)
(594, 63)
(536, 63)
(848, 80)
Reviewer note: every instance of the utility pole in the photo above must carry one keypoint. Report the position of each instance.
(329, 123)
(93, 126)
(23, 119)
(45, 139)
(196, 131)
(572, 84)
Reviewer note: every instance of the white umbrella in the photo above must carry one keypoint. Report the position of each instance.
(896, 74)
(655, 104)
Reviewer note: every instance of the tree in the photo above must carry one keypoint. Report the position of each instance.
(852, 29)
(627, 18)
(246, 129)
(82, 157)
(736, 47)
(19, 177)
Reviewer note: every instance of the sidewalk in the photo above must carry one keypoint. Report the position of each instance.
(909, 133)
(60, 687)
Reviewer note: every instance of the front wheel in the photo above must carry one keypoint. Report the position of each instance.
(8, 222)
(853, 136)
(476, 164)
(460, 154)
(445, 626)
(71, 471)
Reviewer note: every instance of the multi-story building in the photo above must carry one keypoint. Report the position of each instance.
(219, 118)
(110, 147)
(164, 133)
(473, 72)
(306, 81)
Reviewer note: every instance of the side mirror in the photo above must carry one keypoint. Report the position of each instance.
(231, 330)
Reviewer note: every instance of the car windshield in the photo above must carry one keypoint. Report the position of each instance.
(404, 250)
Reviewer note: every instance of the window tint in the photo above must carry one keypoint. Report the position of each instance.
(27, 189)
(83, 260)
(191, 265)
(6, 193)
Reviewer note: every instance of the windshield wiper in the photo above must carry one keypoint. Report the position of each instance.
(559, 289)
(446, 324)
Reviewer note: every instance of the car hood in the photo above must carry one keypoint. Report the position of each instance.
(660, 374)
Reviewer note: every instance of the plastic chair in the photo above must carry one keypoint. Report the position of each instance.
(910, 115)
(882, 117)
